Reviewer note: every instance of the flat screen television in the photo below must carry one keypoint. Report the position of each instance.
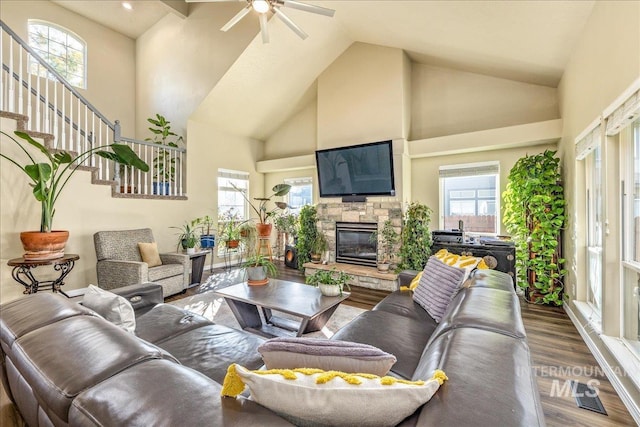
(357, 170)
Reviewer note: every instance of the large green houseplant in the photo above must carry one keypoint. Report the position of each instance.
(534, 215)
(330, 282)
(164, 164)
(307, 234)
(49, 176)
(262, 210)
(415, 237)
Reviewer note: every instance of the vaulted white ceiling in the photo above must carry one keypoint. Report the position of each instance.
(529, 41)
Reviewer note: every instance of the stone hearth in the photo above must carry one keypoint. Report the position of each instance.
(364, 277)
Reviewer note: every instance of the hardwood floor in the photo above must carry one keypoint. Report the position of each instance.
(557, 350)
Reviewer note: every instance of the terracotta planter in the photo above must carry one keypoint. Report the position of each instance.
(264, 230)
(42, 246)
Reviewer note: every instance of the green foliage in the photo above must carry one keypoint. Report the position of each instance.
(534, 215)
(329, 277)
(279, 190)
(206, 224)
(164, 164)
(389, 238)
(260, 260)
(189, 235)
(49, 178)
(286, 223)
(320, 244)
(229, 226)
(307, 233)
(416, 237)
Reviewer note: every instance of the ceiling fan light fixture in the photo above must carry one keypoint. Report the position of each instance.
(261, 6)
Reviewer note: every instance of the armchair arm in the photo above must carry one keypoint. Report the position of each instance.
(141, 295)
(116, 274)
(173, 258)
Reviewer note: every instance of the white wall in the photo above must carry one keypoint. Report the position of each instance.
(298, 136)
(111, 79)
(447, 101)
(179, 61)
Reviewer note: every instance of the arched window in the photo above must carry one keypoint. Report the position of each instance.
(60, 48)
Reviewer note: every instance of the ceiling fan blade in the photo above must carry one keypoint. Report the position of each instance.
(307, 7)
(284, 18)
(263, 28)
(236, 18)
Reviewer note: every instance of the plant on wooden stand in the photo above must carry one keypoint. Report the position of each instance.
(388, 239)
(330, 282)
(415, 237)
(264, 214)
(48, 178)
(534, 215)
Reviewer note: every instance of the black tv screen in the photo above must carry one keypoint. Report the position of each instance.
(358, 170)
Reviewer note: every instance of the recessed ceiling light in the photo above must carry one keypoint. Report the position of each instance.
(127, 5)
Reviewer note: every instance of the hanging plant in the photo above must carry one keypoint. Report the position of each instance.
(416, 237)
(307, 233)
(534, 215)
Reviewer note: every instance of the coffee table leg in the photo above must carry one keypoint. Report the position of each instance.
(318, 322)
(247, 315)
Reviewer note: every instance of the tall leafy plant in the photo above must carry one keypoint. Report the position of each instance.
(534, 215)
(415, 237)
(307, 234)
(164, 164)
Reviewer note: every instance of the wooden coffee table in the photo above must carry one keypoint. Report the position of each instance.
(296, 299)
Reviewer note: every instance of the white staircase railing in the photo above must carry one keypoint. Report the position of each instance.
(55, 107)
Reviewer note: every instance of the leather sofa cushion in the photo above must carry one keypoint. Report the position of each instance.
(483, 308)
(24, 315)
(165, 321)
(211, 349)
(86, 350)
(402, 303)
(165, 270)
(485, 369)
(135, 398)
(399, 335)
(490, 279)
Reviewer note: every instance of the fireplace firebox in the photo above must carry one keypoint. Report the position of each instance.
(355, 244)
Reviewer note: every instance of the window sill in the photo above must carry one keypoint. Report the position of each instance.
(590, 314)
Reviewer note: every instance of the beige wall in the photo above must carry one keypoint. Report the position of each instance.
(111, 76)
(425, 181)
(447, 102)
(179, 61)
(360, 97)
(298, 136)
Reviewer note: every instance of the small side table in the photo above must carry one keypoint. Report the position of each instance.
(23, 274)
(197, 267)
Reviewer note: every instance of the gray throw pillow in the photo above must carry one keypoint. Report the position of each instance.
(112, 307)
(328, 355)
(438, 285)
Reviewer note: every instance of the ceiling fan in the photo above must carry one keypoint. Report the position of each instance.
(262, 7)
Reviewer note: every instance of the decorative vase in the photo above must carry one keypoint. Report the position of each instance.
(257, 276)
(329, 290)
(264, 230)
(207, 241)
(42, 246)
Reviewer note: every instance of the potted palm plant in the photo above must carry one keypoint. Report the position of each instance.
(264, 214)
(48, 178)
(258, 269)
(330, 282)
(164, 164)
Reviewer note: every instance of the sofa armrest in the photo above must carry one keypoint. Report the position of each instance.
(406, 276)
(116, 274)
(174, 258)
(141, 295)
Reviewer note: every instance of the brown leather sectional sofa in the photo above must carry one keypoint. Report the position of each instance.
(62, 365)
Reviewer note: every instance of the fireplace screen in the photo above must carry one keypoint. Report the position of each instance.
(354, 243)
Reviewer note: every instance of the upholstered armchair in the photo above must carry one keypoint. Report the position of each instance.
(120, 263)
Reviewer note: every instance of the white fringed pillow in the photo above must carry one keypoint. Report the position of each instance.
(331, 398)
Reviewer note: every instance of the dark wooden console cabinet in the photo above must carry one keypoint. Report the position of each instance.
(499, 257)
